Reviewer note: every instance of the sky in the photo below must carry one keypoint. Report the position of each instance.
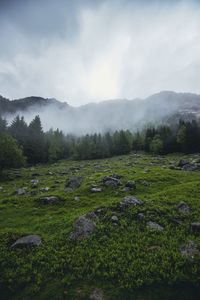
(88, 50)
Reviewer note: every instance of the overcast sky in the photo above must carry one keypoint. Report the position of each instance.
(86, 51)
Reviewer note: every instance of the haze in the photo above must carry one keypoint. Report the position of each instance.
(96, 50)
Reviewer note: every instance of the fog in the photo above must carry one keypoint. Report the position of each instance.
(88, 51)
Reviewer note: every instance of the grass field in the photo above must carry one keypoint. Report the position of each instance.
(117, 258)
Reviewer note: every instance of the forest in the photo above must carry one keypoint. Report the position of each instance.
(22, 143)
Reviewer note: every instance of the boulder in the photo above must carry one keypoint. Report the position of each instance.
(111, 181)
(21, 191)
(29, 240)
(190, 167)
(82, 228)
(189, 250)
(195, 227)
(154, 226)
(130, 201)
(115, 219)
(131, 185)
(182, 162)
(97, 294)
(96, 190)
(183, 207)
(74, 182)
(50, 200)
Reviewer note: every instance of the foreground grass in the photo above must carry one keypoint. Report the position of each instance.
(116, 258)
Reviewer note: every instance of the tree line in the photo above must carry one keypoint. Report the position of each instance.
(22, 143)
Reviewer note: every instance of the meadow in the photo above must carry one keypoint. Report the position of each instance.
(123, 257)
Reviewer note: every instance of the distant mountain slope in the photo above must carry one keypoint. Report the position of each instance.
(107, 115)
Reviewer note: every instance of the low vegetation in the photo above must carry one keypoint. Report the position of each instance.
(152, 242)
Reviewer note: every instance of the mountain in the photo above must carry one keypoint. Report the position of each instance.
(166, 106)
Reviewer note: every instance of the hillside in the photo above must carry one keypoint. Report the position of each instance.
(165, 107)
(102, 227)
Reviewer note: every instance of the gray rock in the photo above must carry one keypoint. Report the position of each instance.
(1, 188)
(154, 226)
(68, 190)
(21, 191)
(82, 228)
(34, 182)
(45, 189)
(182, 162)
(29, 240)
(189, 250)
(195, 227)
(140, 216)
(115, 219)
(183, 207)
(130, 201)
(126, 189)
(76, 198)
(111, 181)
(131, 185)
(74, 182)
(189, 167)
(97, 294)
(50, 200)
(96, 190)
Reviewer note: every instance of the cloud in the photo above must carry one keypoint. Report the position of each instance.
(82, 51)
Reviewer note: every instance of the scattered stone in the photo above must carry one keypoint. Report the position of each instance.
(29, 240)
(195, 226)
(68, 190)
(97, 294)
(76, 198)
(21, 191)
(131, 185)
(190, 167)
(126, 189)
(82, 228)
(144, 182)
(50, 173)
(34, 182)
(1, 188)
(182, 162)
(189, 250)
(111, 181)
(96, 190)
(130, 201)
(183, 207)
(115, 219)
(74, 182)
(154, 226)
(45, 189)
(116, 176)
(140, 216)
(49, 200)
(91, 215)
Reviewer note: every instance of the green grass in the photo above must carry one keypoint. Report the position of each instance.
(115, 258)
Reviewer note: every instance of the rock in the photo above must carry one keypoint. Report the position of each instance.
(82, 228)
(49, 200)
(34, 182)
(111, 181)
(154, 226)
(189, 250)
(91, 215)
(45, 189)
(131, 185)
(126, 189)
(115, 219)
(140, 216)
(196, 161)
(130, 201)
(189, 167)
(195, 227)
(183, 207)
(76, 198)
(74, 182)
(97, 294)
(144, 182)
(68, 190)
(96, 190)
(1, 188)
(29, 240)
(21, 191)
(182, 162)
(116, 176)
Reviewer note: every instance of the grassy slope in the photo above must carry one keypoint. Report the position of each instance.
(123, 256)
